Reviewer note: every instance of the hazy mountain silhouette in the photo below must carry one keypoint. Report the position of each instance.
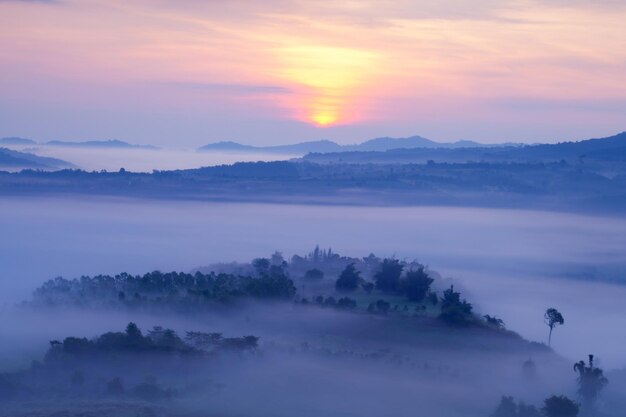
(297, 148)
(15, 159)
(16, 141)
(325, 146)
(610, 148)
(98, 144)
(387, 143)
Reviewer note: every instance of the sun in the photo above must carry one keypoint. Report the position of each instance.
(324, 119)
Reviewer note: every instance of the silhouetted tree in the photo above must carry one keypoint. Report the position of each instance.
(204, 341)
(508, 408)
(388, 278)
(560, 406)
(494, 322)
(277, 259)
(346, 303)
(591, 381)
(273, 284)
(330, 301)
(132, 331)
(379, 307)
(349, 279)
(416, 284)
(552, 318)
(453, 309)
(368, 287)
(166, 338)
(261, 266)
(314, 274)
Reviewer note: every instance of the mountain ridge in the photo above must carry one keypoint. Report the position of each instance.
(321, 146)
(19, 160)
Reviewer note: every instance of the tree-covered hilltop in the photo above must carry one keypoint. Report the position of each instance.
(321, 278)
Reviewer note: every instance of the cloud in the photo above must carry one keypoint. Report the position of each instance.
(32, 1)
(229, 88)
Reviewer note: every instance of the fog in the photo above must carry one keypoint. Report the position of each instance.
(311, 362)
(510, 263)
(145, 159)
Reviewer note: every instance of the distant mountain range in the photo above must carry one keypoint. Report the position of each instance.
(10, 159)
(605, 149)
(86, 144)
(325, 146)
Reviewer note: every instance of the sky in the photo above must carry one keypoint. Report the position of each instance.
(183, 73)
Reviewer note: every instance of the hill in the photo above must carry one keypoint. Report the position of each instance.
(16, 141)
(98, 144)
(294, 149)
(10, 159)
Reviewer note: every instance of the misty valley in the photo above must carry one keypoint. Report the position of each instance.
(398, 208)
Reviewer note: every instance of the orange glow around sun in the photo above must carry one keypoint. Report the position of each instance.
(331, 78)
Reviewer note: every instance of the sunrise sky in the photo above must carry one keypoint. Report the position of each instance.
(189, 72)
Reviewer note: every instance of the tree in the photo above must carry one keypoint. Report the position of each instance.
(508, 408)
(494, 321)
(560, 406)
(349, 279)
(277, 259)
(314, 274)
(552, 318)
(416, 284)
(388, 278)
(591, 381)
(274, 284)
(261, 266)
(132, 330)
(346, 303)
(453, 309)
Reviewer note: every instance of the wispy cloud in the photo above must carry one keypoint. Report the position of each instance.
(32, 1)
(229, 88)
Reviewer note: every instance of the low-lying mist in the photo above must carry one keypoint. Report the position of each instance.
(145, 159)
(514, 263)
(310, 361)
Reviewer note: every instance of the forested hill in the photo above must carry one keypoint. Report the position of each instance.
(562, 185)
